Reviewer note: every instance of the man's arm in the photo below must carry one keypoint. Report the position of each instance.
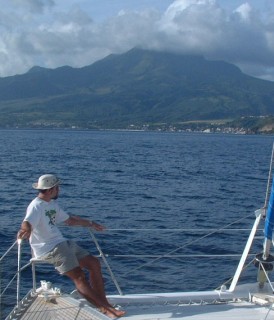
(78, 221)
(25, 231)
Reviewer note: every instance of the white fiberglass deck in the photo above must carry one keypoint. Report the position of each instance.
(196, 306)
(235, 311)
(200, 306)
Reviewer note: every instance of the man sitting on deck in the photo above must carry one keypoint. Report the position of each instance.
(48, 244)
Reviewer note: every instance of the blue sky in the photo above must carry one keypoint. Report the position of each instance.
(53, 33)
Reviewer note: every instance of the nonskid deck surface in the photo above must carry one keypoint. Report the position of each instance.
(56, 308)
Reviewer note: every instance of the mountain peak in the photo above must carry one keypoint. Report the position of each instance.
(139, 86)
(36, 69)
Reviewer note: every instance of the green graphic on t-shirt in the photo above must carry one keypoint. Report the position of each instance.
(51, 214)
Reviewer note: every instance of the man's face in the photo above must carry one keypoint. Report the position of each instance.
(55, 192)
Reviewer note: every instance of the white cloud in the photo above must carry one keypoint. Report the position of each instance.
(192, 26)
(244, 11)
(44, 33)
(241, 37)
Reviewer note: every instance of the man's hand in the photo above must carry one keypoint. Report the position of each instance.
(25, 231)
(97, 227)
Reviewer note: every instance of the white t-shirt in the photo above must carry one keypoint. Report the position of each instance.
(43, 217)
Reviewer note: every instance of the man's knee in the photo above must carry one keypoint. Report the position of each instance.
(76, 274)
(91, 263)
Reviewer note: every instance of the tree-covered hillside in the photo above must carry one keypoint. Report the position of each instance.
(136, 88)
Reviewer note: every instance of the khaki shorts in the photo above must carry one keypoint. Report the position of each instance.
(65, 256)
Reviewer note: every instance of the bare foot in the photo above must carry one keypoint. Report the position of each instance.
(112, 313)
(119, 313)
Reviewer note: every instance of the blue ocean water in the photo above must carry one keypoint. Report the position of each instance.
(141, 185)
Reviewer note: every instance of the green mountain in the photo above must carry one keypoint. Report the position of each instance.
(135, 88)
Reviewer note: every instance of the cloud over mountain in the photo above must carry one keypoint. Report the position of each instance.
(54, 33)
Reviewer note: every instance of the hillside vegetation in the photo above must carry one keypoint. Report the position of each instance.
(137, 89)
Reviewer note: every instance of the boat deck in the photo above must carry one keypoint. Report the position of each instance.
(196, 306)
(235, 311)
(246, 302)
(68, 308)
(56, 308)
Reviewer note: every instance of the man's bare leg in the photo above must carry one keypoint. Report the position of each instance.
(96, 280)
(82, 285)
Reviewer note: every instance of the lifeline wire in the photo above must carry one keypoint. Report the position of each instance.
(185, 245)
(210, 233)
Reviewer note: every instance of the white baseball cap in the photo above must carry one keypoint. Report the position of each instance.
(46, 181)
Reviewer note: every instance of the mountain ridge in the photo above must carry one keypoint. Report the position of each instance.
(138, 87)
